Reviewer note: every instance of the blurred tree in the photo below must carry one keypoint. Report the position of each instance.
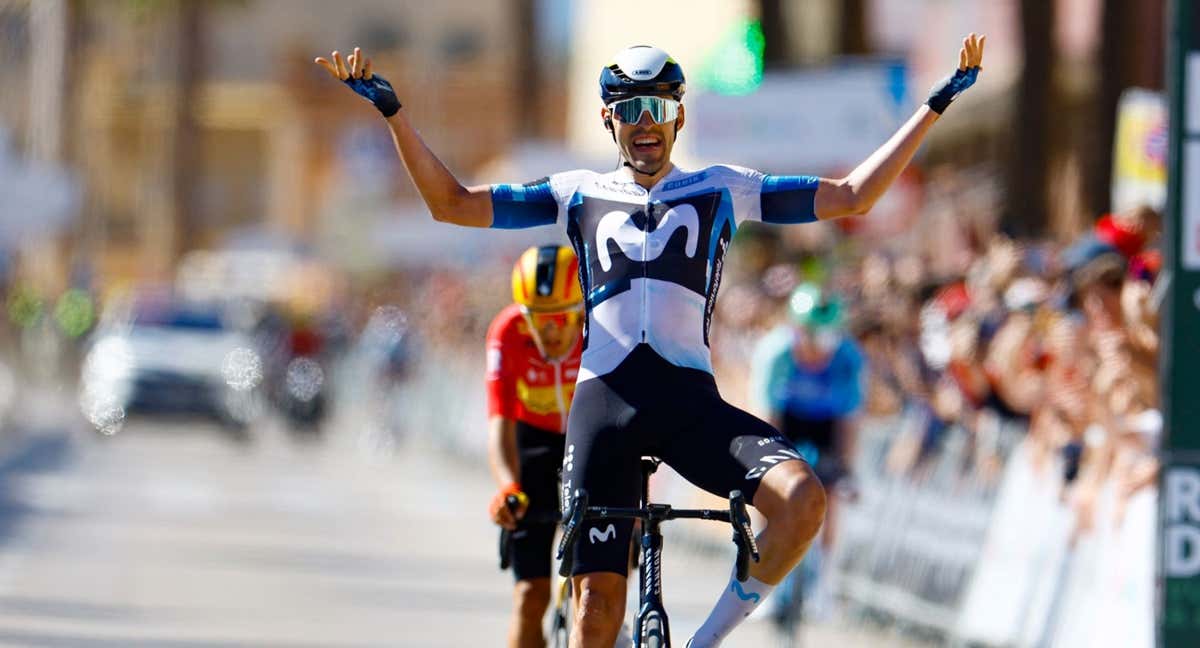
(191, 42)
(187, 23)
(777, 48)
(51, 26)
(527, 99)
(853, 29)
(779, 18)
(1131, 55)
(1031, 152)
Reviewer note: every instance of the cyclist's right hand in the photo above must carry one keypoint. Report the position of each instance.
(506, 513)
(356, 73)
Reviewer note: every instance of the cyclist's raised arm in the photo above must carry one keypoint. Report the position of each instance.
(857, 192)
(448, 200)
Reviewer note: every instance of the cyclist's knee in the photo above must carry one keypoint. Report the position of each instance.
(531, 598)
(601, 603)
(795, 501)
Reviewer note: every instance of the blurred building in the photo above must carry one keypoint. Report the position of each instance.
(188, 120)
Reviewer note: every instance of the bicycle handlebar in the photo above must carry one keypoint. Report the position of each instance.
(511, 502)
(572, 522)
(743, 535)
(735, 515)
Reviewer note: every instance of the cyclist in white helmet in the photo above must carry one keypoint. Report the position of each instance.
(651, 239)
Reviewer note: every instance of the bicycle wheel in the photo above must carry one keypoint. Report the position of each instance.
(560, 619)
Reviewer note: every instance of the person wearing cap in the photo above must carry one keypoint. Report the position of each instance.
(808, 379)
(651, 238)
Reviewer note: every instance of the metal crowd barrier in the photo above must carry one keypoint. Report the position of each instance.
(978, 557)
(908, 545)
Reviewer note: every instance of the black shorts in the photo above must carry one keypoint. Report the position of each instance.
(541, 453)
(648, 406)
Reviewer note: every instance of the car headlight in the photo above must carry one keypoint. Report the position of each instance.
(111, 359)
(242, 369)
(304, 379)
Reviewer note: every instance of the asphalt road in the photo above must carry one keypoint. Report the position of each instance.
(173, 534)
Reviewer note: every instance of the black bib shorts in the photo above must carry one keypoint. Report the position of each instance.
(648, 406)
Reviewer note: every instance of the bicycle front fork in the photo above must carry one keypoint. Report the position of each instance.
(651, 629)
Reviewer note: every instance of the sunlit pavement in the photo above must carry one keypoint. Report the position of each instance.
(174, 534)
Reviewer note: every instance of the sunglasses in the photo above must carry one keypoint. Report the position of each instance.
(561, 319)
(629, 111)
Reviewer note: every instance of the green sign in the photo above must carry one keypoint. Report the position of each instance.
(734, 66)
(1180, 554)
(1179, 491)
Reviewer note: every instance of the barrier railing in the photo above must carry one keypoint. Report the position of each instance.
(908, 545)
(962, 536)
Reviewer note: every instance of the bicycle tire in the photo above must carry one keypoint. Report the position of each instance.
(560, 633)
(560, 619)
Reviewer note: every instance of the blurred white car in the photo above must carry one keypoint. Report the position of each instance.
(174, 358)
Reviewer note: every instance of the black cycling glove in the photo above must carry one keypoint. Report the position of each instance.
(378, 91)
(948, 89)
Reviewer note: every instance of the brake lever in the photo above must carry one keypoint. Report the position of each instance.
(511, 502)
(573, 522)
(743, 535)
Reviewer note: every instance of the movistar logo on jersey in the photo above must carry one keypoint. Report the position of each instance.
(618, 226)
(668, 241)
(595, 535)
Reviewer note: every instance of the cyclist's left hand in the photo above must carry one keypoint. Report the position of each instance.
(971, 53)
(356, 73)
(970, 62)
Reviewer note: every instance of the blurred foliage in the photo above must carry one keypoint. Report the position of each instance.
(25, 307)
(735, 64)
(74, 313)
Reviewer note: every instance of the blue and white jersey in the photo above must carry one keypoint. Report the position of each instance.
(650, 260)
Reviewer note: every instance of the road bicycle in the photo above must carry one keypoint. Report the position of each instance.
(651, 628)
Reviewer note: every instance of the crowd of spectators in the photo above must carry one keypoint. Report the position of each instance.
(984, 332)
(959, 322)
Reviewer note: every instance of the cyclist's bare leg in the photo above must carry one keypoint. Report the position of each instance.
(599, 609)
(531, 597)
(793, 501)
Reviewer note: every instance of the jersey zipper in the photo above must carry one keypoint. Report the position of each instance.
(558, 393)
(645, 274)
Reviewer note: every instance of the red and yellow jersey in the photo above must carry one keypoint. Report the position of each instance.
(521, 384)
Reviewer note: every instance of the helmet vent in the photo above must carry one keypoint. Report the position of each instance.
(547, 256)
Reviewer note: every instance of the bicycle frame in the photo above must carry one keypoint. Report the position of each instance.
(652, 614)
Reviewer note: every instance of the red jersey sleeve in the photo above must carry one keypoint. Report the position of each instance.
(501, 389)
